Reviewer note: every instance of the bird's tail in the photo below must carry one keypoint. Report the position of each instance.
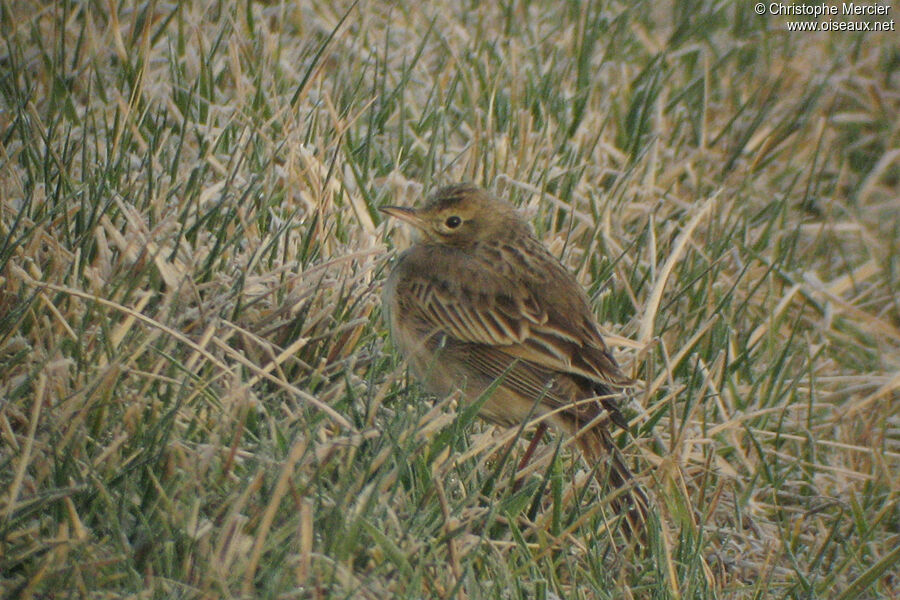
(629, 498)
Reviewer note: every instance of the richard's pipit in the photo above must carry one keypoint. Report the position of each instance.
(478, 299)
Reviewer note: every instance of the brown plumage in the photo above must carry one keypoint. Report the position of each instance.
(479, 299)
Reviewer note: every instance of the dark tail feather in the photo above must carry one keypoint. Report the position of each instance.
(630, 500)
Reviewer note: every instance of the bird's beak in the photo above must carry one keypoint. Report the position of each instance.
(407, 215)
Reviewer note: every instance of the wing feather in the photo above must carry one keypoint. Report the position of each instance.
(548, 325)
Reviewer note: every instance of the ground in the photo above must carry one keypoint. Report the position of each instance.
(198, 396)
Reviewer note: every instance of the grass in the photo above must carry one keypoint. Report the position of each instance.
(197, 395)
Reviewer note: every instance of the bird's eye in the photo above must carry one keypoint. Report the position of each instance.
(453, 222)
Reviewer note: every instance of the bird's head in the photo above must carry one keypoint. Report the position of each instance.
(461, 215)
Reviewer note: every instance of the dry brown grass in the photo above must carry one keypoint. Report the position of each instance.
(197, 397)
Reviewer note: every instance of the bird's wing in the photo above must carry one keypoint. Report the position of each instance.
(485, 308)
(554, 391)
(494, 318)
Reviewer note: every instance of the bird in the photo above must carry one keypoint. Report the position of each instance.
(478, 304)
